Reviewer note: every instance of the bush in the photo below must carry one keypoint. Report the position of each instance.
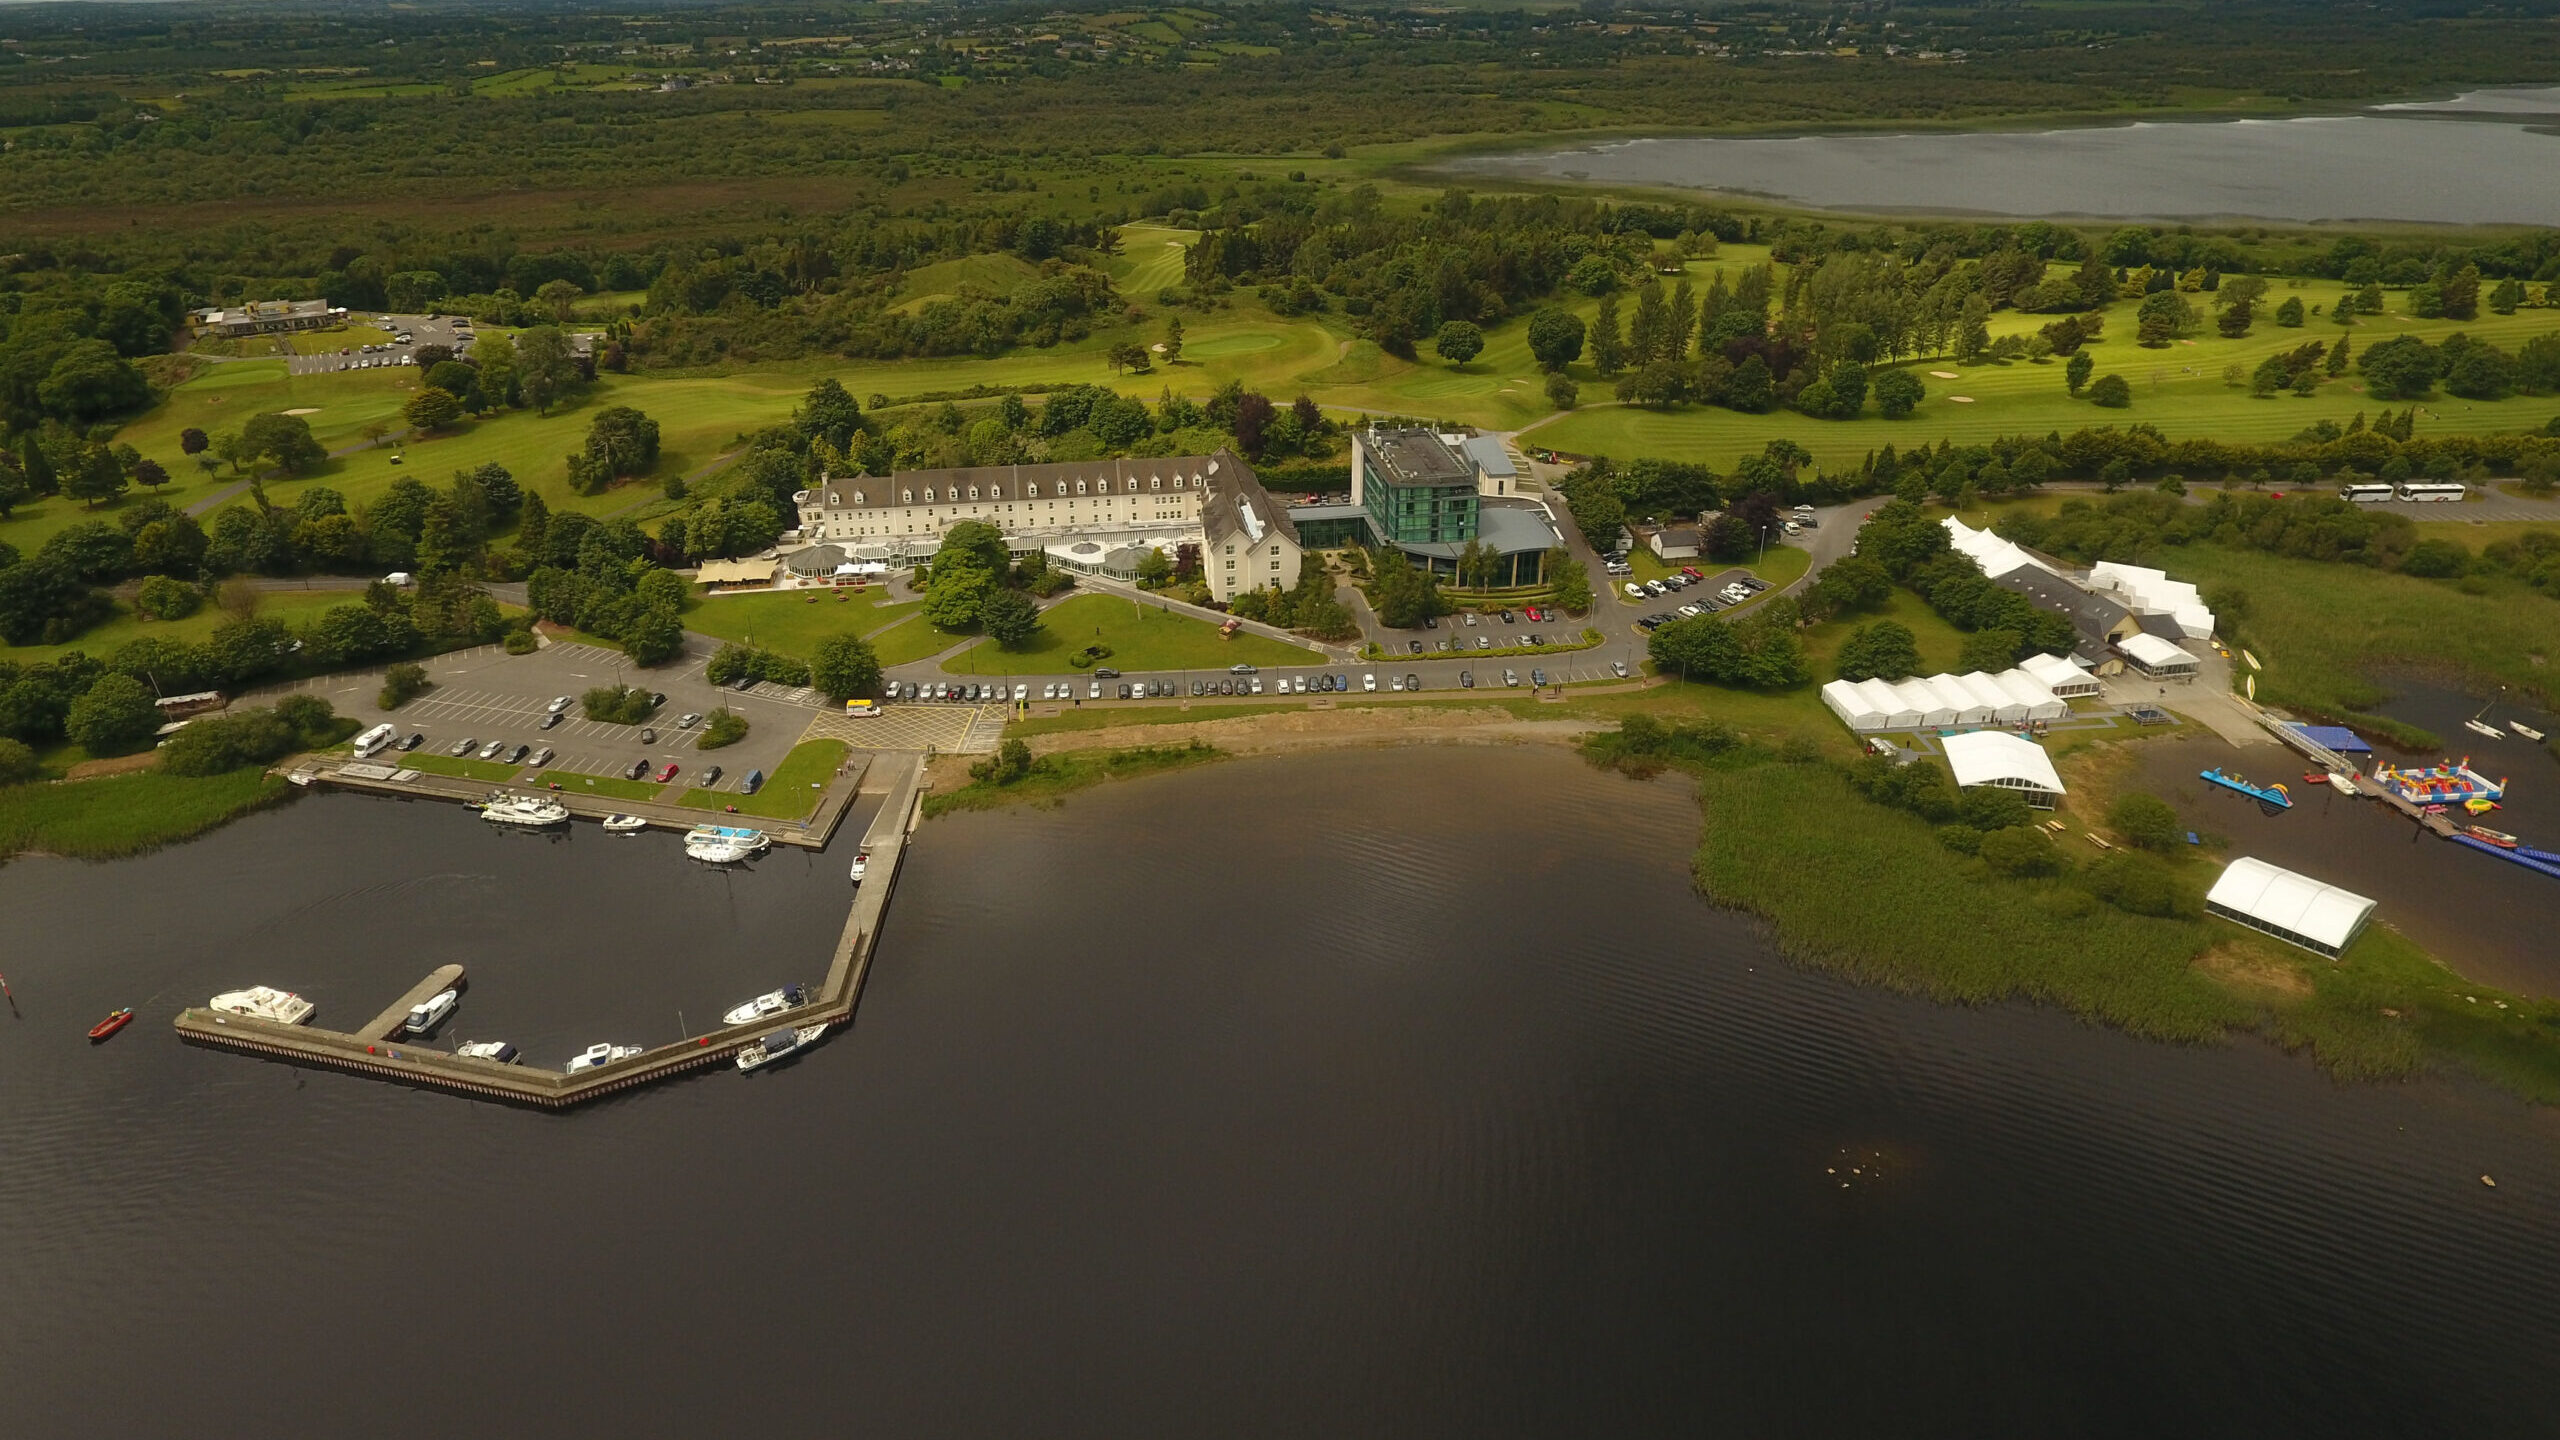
(1962, 839)
(17, 763)
(725, 727)
(2111, 391)
(401, 684)
(1988, 808)
(2140, 885)
(1011, 762)
(845, 668)
(2145, 821)
(2021, 851)
(162, 598)
(617, 704)
(521, 642)
(732, 663)
(113, 716)
(252, 737)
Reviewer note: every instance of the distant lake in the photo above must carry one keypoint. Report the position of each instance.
(2361, 167)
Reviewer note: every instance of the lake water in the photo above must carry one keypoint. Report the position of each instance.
(2361, 167)
(1397, 1093)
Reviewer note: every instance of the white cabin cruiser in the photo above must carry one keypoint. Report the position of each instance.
(861, 865)
(261, 1002)
(530, 812)
(624, 824)
(498, 1050)
(772, 1002)
(600, 1054)
(778, 1046)
(725, 844)
(427, 1014)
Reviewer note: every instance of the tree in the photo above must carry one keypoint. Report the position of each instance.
(1562, 393)
(545, 366)
(150, 473)
(1567, 581)
(1608, 345)
(2145, 820)
(192, 441)
(2460, 293)
(432, 409)
(2020, 851)
(956, 596)
(113, 716)
(1172, 341)
(1555, 337)
(559, 298)
(1990, 651)
(2289, 314)
(1853, 582)
(2111, 391)
(17, 763)
(1458, 342)
(654, 637)
(1010, 617)
(2076, 371)
(830, 414)
(2400, 368)
(844, 668)
(1898, 393)
(90, 382)
(1155, 568)
(13, 488)
(1884, 650)
(621, 442)
(1973, 328)
(401, 684)
(93, 475)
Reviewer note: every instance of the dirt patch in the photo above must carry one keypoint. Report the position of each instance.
(1326, 729)
(2255, 974)
(120, 765)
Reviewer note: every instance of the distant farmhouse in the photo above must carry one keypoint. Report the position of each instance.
(269, 317)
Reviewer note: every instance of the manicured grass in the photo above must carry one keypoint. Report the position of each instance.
(794, 621)
(614, 786)
(1141, 637)
(789, 793)
(2323, 630)
(1054, 776)
(466, 768)
(128, 814)
(293, 607)
(911, 640)
(1104, 717)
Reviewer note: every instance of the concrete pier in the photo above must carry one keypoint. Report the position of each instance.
(808, 832)
(371, 1054)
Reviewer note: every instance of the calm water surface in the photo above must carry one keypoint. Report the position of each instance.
(1388, 1093)
(2361, 167)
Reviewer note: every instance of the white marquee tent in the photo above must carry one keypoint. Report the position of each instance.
(2152, 592)
(1939, 702)
(2009, 762)
(1996, 556)
(2057, 674)
(1898, 714)
(2318, 917)
(1851, 704)
(1997, 704)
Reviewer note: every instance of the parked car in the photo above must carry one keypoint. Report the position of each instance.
(1634, 591)
(1395, 683)
(1484, 642)
(743, 682)
(1538, 678)
(1618, 668)
(638, 768)
(490, 751)
(460, 748)
(710, 777)
(1021, 692)
(1693, 572)
(1416, 647)
(688, 721)
(1655, 587)
(1124, 692)
(1412, 682)
(1369, 682)
(1471, 618)
(1511, 678)
(1506, 616)
(1241, 670)
(551, 719)
(1106, 673)
(1257, 684)
(516, 756)
(753, 783)
(657, 698)
(667, 774)
(415, 740)
(559, 703)
(1430, 622)
(1466, 679)
(648, 735)
(540, 758)
(1342, 682)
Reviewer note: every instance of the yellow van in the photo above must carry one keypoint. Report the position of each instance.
(862, 707)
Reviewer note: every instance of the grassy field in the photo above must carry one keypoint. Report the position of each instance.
(128, 814)
(1052, 777)
(1141, 638)
(613, 786)
(293, 607)
(2322, 630)
(464, 767)
(789, 793)
(794, 621)
(911, 640)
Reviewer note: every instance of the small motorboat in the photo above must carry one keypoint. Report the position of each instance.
(772, 1002)
(2524, 730)
(498, 1050)
(2483, 727)
(263, 1002)
(427, 1014)
(2341, 783)
(778, 1046)
(624, 824)
(861, 864)
(2499, 838)
(115, 1021)
(600, 1054)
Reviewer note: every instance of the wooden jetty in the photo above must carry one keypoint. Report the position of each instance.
(374, 1054)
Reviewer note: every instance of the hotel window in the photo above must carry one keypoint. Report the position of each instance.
(908, 497)
(1155, 484)
(1079, 487)
(973, 493)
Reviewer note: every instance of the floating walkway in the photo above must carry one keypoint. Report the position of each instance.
(2524, 855)
(372, 1052)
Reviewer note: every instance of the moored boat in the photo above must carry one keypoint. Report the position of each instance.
(115, 1021)
(530, 812)
(725, 844)
(498, 1050)
(600, 1053)
(861, 865)
(778, 1046)
(2341, 783)
(2524, 730)
(427, 1014)
(2499, 838)
(2269, 797)
(263, 1002)
(2483, 727)
(772, 1002)
(624, 824)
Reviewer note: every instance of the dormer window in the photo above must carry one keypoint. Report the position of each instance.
(857, 497)
(1155, 482)
(973, 493)
(908, 497)
(1079, 487)
(995, 492)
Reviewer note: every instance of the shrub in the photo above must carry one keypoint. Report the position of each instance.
(732, 663)
(617, 704)
(1962, 839)
(112, 716)
(2145, 820)
(1988, 808)
(521, 642)
(162, 598)
(401, 684)
(1010, 763)
(218, 743)
(2111, 391)
(2021, 851)
(2140, 885)
(17, 763)
(725, 727)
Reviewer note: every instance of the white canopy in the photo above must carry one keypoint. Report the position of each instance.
(2153, 593)
(1996, 556)
(2027, 690)
(1996, 757)
(2318, 917)
(1996, 701)
(1887, 698)
(1922, 698)
(2057, 674)
(1852, 706)
(2153, 653)
(1970, 708)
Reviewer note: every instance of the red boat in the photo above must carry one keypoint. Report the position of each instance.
(2499, 838)
(114, 1022)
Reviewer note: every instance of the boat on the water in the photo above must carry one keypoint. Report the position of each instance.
(861, 865)
(427, 1014)
(2341, 783)
(2483, 727)
(262, 1002)
(725, 844)
(2524, 730)
(530, 812)
(498, 1050)
(779, 1046)
(115, 1021)
(624, 824)
(2270, 798)
(600, 1054)
(772, 1002)
(2499, 838)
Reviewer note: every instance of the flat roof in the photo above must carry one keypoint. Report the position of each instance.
(1417, 457)
(1490, 457)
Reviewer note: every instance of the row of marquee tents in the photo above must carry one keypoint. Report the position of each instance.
(2012, 697)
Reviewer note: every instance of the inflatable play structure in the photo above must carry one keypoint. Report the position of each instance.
(2270, 798)
(2449, 784)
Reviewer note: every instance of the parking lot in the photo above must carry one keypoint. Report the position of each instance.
(422, 330)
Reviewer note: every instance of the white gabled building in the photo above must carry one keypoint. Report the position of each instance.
(1092, 515)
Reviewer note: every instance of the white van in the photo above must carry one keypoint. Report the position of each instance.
(371, 742)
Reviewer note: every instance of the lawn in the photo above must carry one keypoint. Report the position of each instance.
(2322, 630)
(461, 767)
(294, 607)
(789, 793)
(794, 621)
(614, 786)
(1140, 637)
(127, 814)
(911, 640)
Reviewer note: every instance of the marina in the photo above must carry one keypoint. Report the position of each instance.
(267, 1023)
